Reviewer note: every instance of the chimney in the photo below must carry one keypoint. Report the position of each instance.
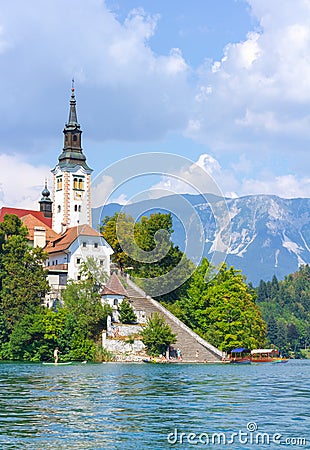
(63, 228)
(39, 237)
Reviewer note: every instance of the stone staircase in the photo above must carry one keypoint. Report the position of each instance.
(192, 346)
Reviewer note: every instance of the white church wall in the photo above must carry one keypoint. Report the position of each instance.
(88, 246)
(79, 198)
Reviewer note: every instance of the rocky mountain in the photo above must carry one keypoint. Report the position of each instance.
(265, 235)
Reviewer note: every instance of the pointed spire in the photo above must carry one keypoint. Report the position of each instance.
(72, 113)
(72, 154)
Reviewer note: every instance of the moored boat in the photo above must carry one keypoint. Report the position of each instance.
(267, 355)
(240, 356)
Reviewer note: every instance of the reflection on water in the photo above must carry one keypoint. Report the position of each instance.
(135, 406)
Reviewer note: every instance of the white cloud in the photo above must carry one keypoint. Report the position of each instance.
(253, 102)
(101, 189)
(130, 92)
(23, 189)
(233, 181)
(22, 183)
(204, 176)
(257, 97)
(287, 186)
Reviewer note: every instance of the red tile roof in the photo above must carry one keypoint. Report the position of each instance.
(31, 222)
(114, 287)
(63, 241)
(24, 212)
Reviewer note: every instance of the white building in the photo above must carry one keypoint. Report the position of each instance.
(113, 295)
(68, 251)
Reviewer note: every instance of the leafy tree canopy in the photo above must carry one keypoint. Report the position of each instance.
(285, 305)
(222, 309)
(92, 270)
(126, 312)
(146, 248)
(83, 301)
(22, 276)
(157, 335)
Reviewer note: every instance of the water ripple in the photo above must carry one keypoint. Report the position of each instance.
(135, 406)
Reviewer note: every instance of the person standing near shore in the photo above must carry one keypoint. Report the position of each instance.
(56, 354)
(179, 354)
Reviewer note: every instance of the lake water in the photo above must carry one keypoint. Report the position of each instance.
(148, 406)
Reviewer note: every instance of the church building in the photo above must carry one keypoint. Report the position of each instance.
(63, 224)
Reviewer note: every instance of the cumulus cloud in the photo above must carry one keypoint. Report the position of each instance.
(206, 175)
(130, 92)
(21, 183)
(252, 104)
(287, 186)
(233, 180)
(257, 96)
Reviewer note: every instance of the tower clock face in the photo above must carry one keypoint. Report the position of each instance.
(78, 195)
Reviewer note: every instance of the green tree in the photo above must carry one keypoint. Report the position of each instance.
(11, 226)
(234, 320)
(126, 312)
(157, 335)
(35, 336)
(83, 302)
(195, 301)
(289, 304)
(146, 247)
(22, 276)
(4, 332)
(92, 271)
(222, 309)
(272, 328)
(118, 225)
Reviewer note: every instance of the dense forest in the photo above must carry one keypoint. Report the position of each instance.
(285, 306)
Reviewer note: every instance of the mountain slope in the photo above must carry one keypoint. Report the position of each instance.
(267, 235)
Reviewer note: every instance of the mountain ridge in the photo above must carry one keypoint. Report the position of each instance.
(267, 235)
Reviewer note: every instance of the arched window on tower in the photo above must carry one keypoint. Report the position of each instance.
(59, 208)
(75, 208)
(74, 137)
(78, 182)
(59, 183)
(79, 208)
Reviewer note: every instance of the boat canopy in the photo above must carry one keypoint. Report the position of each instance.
(239, 350)
(263, 350)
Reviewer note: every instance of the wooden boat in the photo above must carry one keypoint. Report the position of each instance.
(267, 355)
(240, 356)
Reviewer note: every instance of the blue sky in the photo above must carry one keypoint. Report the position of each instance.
(222, 82)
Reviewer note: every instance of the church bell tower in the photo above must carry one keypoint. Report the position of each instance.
(72, 178)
